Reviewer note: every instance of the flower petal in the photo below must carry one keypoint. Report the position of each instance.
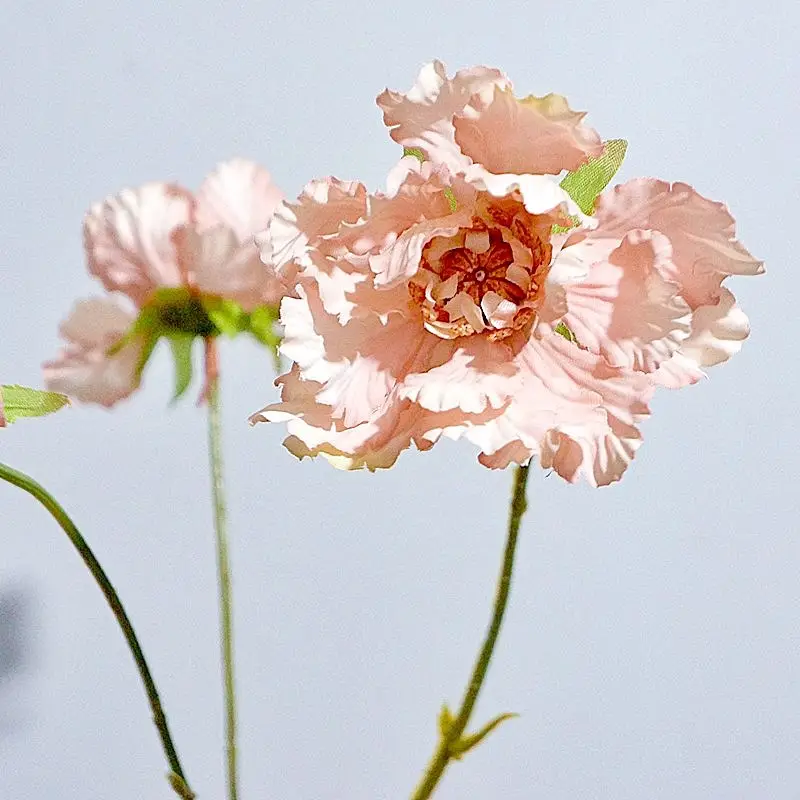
(701, 231)
(626, 310)
(240, 195)
(470, 374)
(534, 135)
(573, 410)
(423, 117)
(84, 370)
(128, 239)
(218, 264)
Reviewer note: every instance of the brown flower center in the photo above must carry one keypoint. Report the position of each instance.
(487, 278)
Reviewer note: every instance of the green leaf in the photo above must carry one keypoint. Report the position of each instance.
(445, 721)
(451, 198)
(563, 330)
(413, 151)
(467, 743)
(22, 401)
(228, 317)
(585, 183)
(182, 356)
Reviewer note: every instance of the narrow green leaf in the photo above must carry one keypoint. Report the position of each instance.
(585, 183)
(467, 743)
(445, 721)
(22, 401)
(413, 151)
(182, 356)
(563, 330)
(451, 198)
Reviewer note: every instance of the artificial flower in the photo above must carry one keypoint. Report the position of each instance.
(162, 251)
(490, 308)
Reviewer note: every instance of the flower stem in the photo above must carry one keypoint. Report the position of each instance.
(444, 751)
(36, 490)
(223, 563)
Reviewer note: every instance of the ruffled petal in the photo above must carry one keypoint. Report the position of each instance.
(240, 195)
(84, 369)
(423, 117)
(323, 210)
(701, 231)
(626, 309)
(718, 332)
(129, 239)
(574, 411)
(533, 135)
(357, 365)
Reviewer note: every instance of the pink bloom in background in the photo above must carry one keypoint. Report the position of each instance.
(452, 305)
(161, 235)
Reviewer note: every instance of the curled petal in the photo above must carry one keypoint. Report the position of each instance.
(470, 374)
(540, 194)
(574, 411)
(701, 231)
(718, 332)
(84, 369)
(423, 117)
(323, 209)
(534, 135)
(129, 239)
(240, 195)
(626, 309)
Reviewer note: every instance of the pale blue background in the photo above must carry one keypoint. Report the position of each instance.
(652, 644)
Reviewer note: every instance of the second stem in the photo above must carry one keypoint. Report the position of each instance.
(223, 563)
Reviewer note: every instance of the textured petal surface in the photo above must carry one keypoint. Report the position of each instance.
(626, 309)
(129, 239)
(535, 135)
(574, 411)
(423, 117)
(239, 195)
(701, 231)
(84, 369)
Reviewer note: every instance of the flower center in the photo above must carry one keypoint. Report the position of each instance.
(486, 279)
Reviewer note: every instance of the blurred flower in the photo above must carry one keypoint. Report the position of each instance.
(177, 265)
(490, 307)
(473, 123)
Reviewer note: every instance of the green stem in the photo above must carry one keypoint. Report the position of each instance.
(223, 570)
(29, 485)
(444, 753)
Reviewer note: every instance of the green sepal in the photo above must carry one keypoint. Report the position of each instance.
(17, 402)
(467, 743)
(227, 316)
(413, 151)
(181, 346)
(585, 183)
(563, 330)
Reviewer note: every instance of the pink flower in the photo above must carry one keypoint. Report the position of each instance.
(452, 306)
(155, 237)
(472, 122)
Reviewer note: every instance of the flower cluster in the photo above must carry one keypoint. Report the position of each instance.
(178, 265)
(478, 298)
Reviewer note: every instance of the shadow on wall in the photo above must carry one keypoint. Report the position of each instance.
(16, 606)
